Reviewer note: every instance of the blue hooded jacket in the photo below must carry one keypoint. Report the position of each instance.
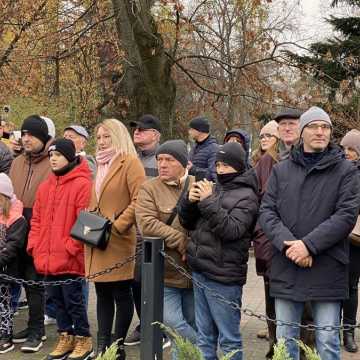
(246, 141)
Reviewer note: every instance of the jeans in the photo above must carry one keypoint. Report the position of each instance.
(179, 313)
(15, 296)
(325, 313)
(69, 301)
(217, 322)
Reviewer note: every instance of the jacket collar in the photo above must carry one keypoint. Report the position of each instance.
(332, 155)
(179, 182)
(38, 157)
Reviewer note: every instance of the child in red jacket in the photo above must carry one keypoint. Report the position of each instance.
(13, 230)
(56, 254)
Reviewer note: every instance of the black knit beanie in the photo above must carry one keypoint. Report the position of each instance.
(65, 147)
(175, 148)
(201, 124)
(37, 127)
(232, 154)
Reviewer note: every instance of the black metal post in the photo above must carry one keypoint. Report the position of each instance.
(152, 294)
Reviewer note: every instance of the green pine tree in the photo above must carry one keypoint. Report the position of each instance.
(336, 62)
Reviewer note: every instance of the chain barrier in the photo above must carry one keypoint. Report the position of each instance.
(247, 311)
(43, 283)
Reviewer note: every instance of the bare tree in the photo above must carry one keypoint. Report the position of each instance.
(147, 82)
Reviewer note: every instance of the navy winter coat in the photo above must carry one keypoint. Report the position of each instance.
(221, 228)
(203, 156)
(318, 205)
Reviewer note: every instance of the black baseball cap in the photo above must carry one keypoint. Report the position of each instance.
(147, 122)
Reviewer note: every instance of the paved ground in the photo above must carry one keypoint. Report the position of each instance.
(254, 348)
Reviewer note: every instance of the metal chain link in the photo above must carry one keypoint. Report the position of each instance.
(42, 283)
(247, 311)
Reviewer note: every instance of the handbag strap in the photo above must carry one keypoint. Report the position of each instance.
(116, 215)
(173, 214)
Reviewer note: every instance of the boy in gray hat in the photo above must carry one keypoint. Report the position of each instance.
(79, 136)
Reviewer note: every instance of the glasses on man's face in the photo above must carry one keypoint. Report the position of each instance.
(317, 126)
(265, 136)
(143, 130)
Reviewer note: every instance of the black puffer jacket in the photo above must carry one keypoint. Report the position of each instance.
(221, 228)
(318, 205)
(11, 243)
(202, 156)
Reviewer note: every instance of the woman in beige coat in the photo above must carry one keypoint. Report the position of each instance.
(119, 176)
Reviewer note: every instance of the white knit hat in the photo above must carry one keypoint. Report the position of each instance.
(6, 186)
(51, 126)
(352, 140)
(313, 114)
(270, 128)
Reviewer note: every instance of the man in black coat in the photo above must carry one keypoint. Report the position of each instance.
(310, 207)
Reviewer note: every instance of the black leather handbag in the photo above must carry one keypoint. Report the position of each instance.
(92, 229)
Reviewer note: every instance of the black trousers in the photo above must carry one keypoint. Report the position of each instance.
(113, 296)
(350, 305)
(35, 296)
(69, 300)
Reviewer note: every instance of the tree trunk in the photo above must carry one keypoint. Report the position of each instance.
(147, 83)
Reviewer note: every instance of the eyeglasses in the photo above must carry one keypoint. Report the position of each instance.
(265, 136)
(317, 126)
(143, 130)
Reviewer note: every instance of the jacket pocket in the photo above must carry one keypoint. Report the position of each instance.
(165, 212)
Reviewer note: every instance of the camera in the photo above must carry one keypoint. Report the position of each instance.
(6, 109)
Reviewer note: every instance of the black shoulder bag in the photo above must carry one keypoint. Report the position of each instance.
(93, 229)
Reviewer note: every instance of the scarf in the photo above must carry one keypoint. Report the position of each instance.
(104, 158)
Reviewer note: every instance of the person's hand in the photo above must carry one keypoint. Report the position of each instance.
(306, 262)
(205, 189)
(194, 193)
(297, 250)
(14, 145)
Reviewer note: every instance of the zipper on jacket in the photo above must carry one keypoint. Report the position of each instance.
(52, 218)
(27, 179)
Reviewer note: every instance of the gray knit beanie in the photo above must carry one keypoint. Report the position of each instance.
(175, 148)
(313, 114)
(352, 140)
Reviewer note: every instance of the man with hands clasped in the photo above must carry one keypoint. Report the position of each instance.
(309, 209)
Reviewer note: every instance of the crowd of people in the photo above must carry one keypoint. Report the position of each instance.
(295, 200)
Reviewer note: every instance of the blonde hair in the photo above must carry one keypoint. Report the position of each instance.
(120, 137)
(273, 152)
(5, 205)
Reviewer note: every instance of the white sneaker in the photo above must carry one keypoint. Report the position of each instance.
(49, 320)
(166, 343)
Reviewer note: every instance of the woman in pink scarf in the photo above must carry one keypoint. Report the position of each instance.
(119, 176)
